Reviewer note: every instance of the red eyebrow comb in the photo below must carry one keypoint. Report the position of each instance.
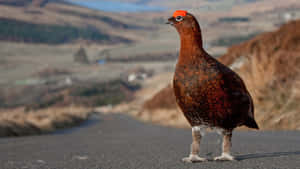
(179, 13)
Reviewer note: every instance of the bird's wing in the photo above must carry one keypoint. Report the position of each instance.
(237, 91)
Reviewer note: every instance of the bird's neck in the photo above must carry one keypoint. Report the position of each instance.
(191, 47)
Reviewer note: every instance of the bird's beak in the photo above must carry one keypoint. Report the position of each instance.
(170, 21)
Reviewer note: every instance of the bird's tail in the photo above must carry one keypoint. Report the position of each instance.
(251, 123)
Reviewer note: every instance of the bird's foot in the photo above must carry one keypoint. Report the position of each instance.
(193, 159)
(224, 157)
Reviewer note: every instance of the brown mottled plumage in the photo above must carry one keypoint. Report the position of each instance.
(209, 93)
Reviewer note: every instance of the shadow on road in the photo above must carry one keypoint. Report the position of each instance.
(263, 155)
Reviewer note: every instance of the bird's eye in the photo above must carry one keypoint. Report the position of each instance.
(179, 18)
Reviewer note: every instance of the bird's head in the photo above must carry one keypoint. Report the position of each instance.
(184, 22)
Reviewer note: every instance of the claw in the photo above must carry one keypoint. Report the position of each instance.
(224, 157)
(194, 159)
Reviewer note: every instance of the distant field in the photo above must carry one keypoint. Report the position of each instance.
(20, 62)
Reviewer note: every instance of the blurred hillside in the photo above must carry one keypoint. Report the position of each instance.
(245, 6)
(38, 3)
(223, 23)
(58, 22)
(44, 85)
(269, 65)
(41, 35)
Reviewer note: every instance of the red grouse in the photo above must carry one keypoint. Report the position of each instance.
(209, 94)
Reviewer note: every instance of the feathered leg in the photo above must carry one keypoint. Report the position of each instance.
(226, 146)
(195, 147)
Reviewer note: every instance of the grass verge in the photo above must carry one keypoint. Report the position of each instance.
(18, 122)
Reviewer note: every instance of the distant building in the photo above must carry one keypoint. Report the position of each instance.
(288, 16)
(137, 74)
(68, 81)
(81, 57)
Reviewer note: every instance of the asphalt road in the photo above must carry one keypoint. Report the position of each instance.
(119, 142)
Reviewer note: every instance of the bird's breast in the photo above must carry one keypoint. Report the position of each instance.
(192, 79)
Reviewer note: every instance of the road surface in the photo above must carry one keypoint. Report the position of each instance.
(119, 142)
